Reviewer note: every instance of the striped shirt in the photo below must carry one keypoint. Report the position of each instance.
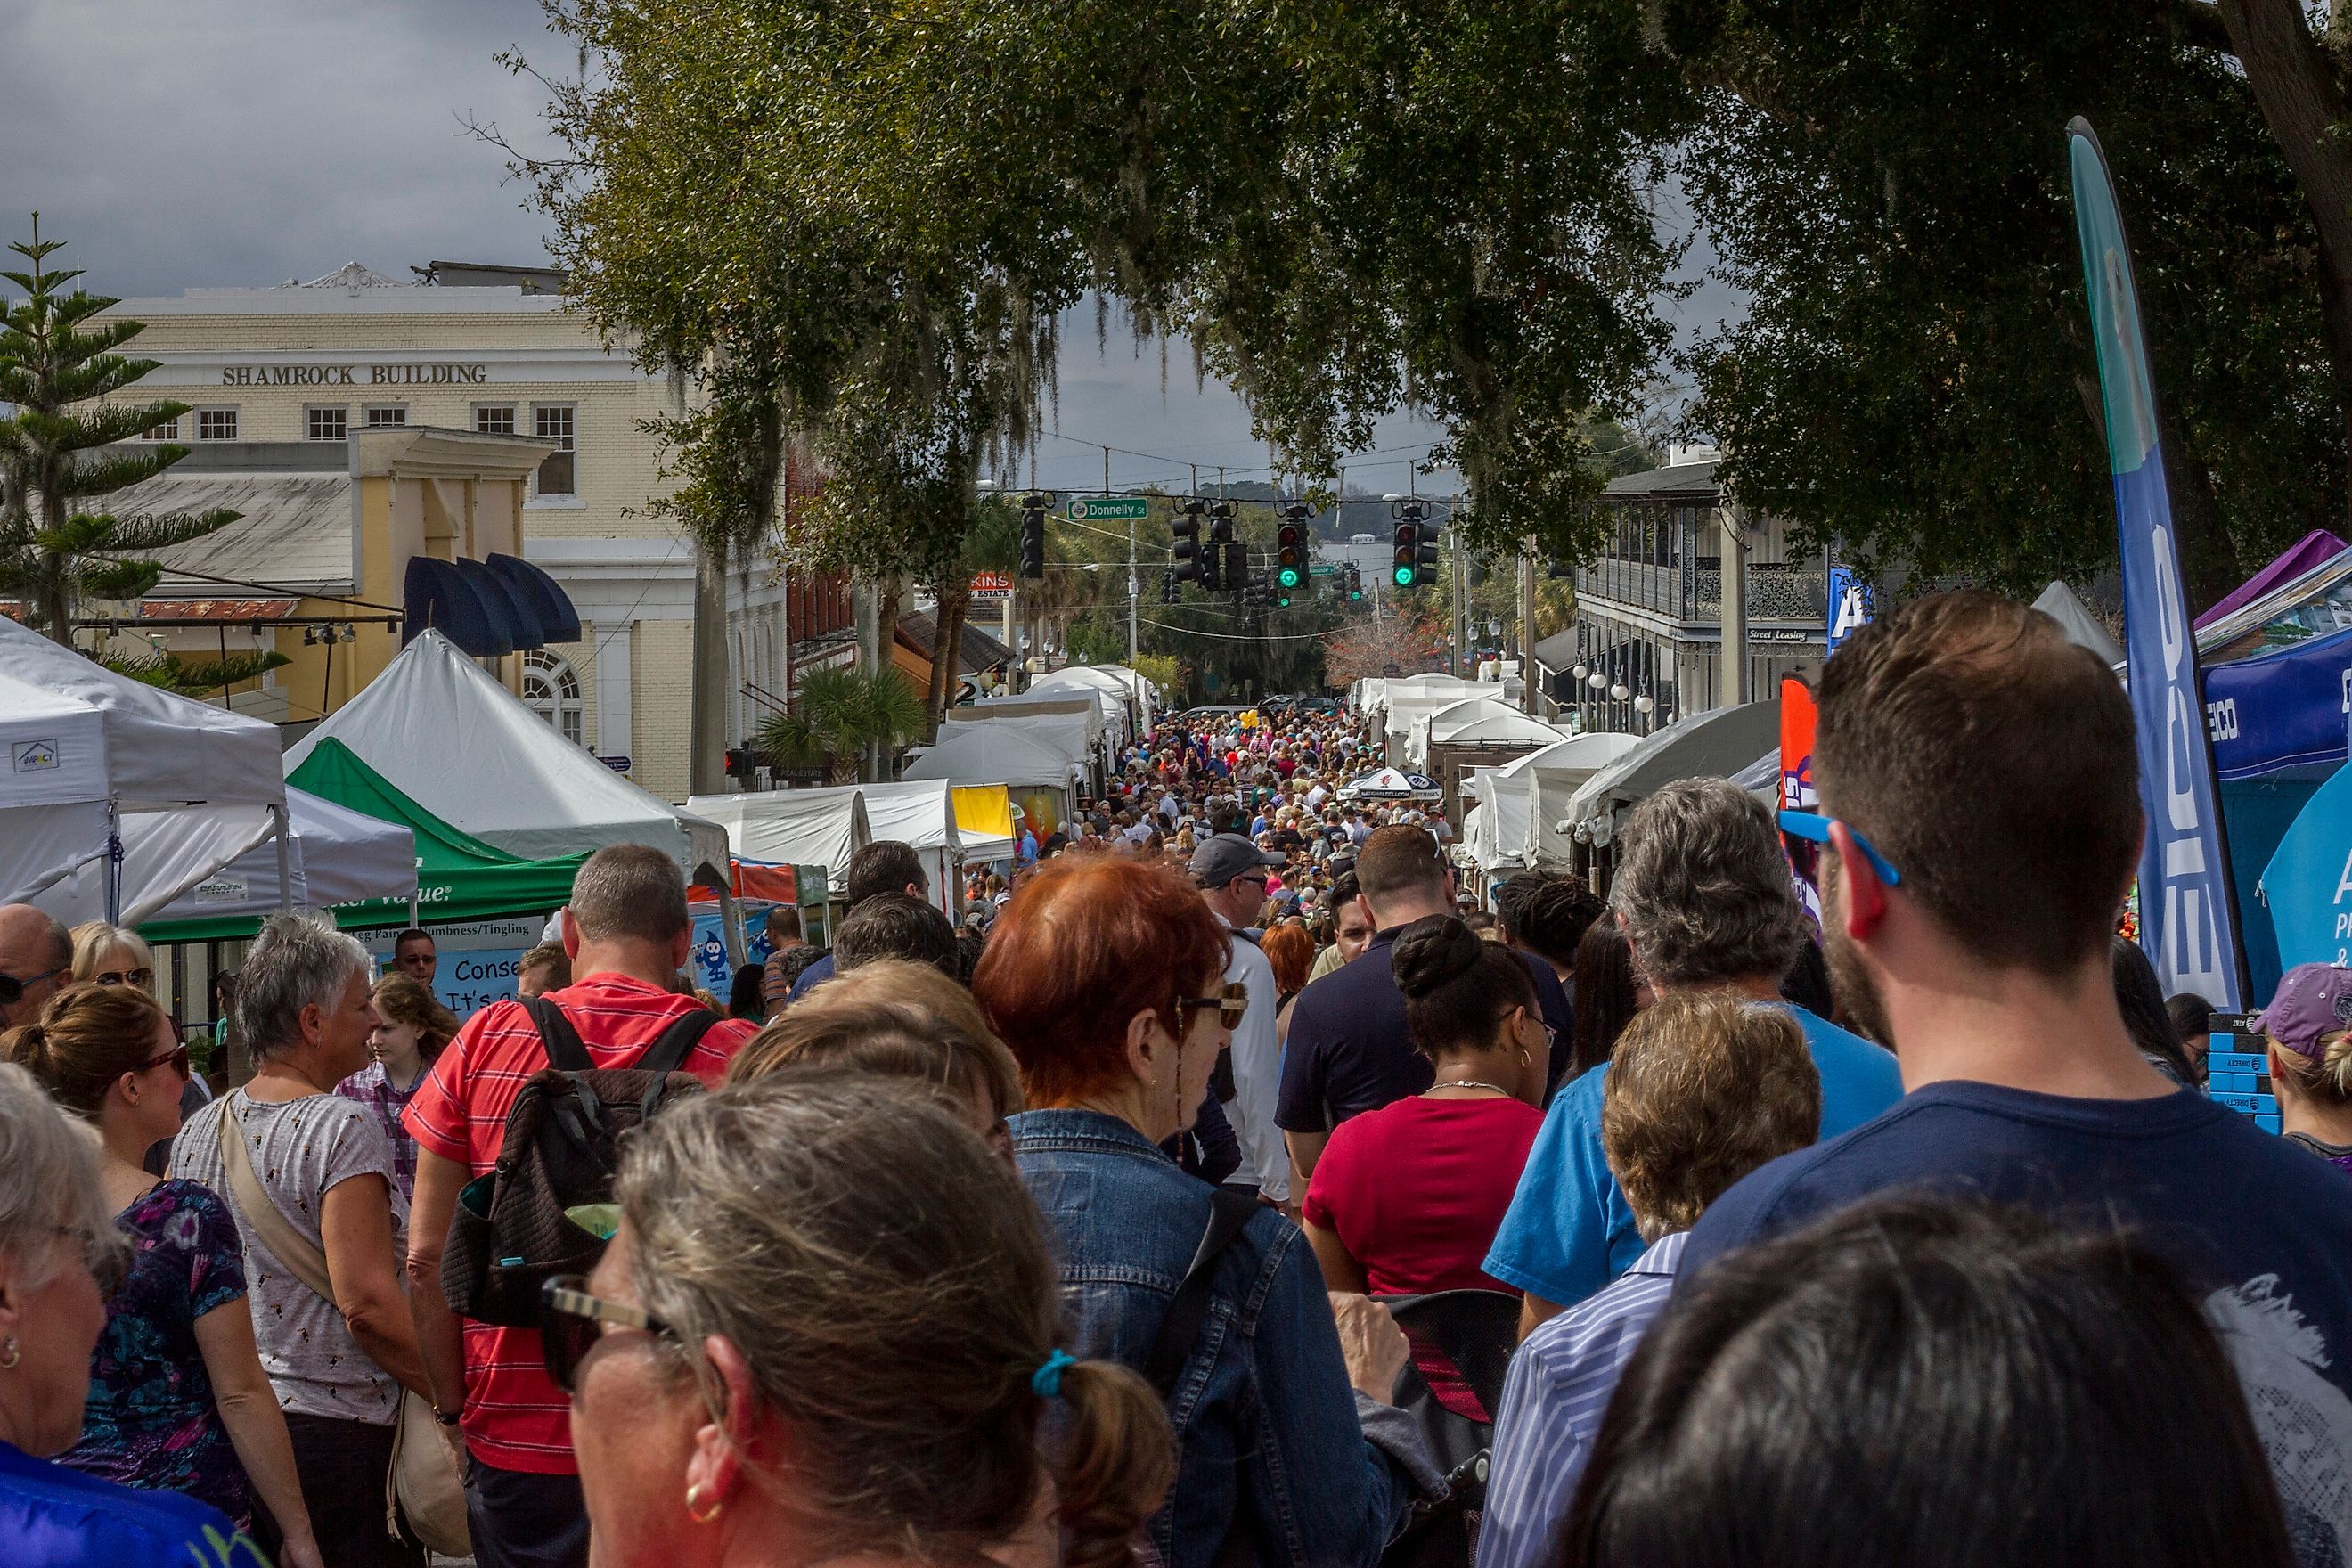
(1553, 1400)
(516, 1418)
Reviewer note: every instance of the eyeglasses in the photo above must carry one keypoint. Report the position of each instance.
(142, 978)
(1815, 829)
(571, 1321)
(13, 988)
(108, 1262)
(1231, 1003)
(177, 1056)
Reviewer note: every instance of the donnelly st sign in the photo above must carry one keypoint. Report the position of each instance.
(1110, 509)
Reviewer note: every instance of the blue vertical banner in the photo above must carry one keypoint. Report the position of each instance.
(2188, 923)
(1850, 606)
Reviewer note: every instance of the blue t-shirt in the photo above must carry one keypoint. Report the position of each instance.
(1569, 1231)
(814, 975)
(2262, 1231)
(52, 1516)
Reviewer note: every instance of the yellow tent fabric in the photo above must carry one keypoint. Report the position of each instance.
(983, 810)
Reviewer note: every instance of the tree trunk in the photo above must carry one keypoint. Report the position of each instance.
(2303, 101)
(947, 650)
(706, 728)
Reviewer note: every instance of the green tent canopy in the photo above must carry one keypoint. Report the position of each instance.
(458, 877)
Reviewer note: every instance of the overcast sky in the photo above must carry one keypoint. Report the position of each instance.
(246, 142)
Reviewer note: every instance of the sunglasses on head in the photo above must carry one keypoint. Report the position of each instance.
(1231, 1003)
(571, 1321)
(13, 988)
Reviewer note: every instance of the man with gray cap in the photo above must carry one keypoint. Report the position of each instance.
(1231, 873)
(36, 954)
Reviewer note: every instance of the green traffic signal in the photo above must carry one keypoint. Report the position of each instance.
(1402, 576)
(1287, 578)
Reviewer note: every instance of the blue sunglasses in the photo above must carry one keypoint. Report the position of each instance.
(1815, 829)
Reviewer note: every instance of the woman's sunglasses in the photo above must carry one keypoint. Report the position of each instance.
(571, 1321)
(1231, 1003)
(177, 1056)
(142, 978)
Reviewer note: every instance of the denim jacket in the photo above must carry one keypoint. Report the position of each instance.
(1273, 1448)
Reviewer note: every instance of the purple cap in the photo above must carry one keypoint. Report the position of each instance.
(2314, 1001)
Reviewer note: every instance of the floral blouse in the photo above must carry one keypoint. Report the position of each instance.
(151, 1421)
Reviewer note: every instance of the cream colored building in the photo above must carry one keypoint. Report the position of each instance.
(280, 379)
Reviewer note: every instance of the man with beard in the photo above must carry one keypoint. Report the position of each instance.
(1704, 895)
(1981, 813)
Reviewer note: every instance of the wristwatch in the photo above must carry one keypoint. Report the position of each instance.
(447, 1419)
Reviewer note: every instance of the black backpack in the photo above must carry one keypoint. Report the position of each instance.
(510, 1235)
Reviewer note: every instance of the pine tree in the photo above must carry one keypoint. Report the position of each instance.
(53, 454)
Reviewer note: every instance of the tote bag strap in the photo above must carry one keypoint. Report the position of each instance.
(262, 1216)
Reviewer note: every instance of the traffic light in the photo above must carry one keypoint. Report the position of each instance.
(1169, 591)
(1425, 563)
(1033, 534)
(1404, 558)
(1290, 547)
(1414, 560)
(1192, 566)
(1355, 587)
(1221, 569)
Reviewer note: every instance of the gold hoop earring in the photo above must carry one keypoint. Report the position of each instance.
(694, 1510)
(9, 1354)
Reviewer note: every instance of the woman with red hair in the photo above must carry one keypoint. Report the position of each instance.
(1105, 977)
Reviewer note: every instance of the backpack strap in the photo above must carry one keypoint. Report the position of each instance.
(1229, 1215)
(670, 1048)
(564, 1049)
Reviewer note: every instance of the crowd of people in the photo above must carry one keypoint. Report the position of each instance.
(1232, 1168)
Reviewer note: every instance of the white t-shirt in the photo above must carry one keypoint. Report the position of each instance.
(300, 1150)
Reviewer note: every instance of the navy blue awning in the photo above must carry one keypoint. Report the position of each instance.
(558, 621)
(471, 608)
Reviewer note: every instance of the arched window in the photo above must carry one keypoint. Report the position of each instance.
(553, 690)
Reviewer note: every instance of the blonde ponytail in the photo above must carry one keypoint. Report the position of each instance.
(1114, 1467)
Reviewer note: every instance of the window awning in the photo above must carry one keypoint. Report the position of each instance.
(488, 607)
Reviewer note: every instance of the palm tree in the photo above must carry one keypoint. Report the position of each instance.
(838, 713)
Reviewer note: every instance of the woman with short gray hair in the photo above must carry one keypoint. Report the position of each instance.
(333, 1213)
(60, 1257)
(1705, 894)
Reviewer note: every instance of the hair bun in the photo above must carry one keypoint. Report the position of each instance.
(1432, 951)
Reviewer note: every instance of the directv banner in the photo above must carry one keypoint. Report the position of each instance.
(2187, 919)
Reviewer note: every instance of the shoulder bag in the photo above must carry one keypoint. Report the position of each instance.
(424, 1485)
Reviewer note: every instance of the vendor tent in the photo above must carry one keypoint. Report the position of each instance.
(1713, 744)
(1551, 778)
(992, 753)
(792, 826)
(1485, 721)
(2313, 549)
(1494, 830)
(441, 731)
(1388, 784)
(339, 855)
(2082, 628)
(455, 876)
(984, 822)
(1065, 732)
(93, 757)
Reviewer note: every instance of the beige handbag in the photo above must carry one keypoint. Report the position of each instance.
(424, 1483)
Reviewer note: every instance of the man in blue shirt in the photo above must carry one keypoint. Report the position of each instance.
(884, 866)
(1704, 894)
(1981, 821)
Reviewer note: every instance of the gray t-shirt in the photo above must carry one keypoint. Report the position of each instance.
(299, 1151)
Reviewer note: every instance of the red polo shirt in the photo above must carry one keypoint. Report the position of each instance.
(516, 1418)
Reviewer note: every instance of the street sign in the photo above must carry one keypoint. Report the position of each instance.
(1321, 569)
(1110, 509)
(618, 765)
(992, 585)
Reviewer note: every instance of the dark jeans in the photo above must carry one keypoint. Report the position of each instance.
(523, 1520)
(342, 1465)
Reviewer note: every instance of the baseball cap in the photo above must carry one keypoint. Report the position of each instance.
(1224, 855)
(2313, 1001)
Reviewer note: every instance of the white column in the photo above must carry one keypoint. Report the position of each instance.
(615, 732)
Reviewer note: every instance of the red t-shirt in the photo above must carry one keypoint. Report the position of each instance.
(516, 1418)
(1417, 1189)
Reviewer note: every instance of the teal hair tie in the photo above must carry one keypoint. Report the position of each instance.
(1046, 1382)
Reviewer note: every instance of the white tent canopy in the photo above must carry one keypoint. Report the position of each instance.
(992, 753)
(791, 826)
(2082, 628)
(1713, 744)
(445, 733)
(1085, 701)
(1064, 732)
(1477, 721)
(339, 856)
(1388, 784)
(1549, 779)
(1494, 831)
(92, 756)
